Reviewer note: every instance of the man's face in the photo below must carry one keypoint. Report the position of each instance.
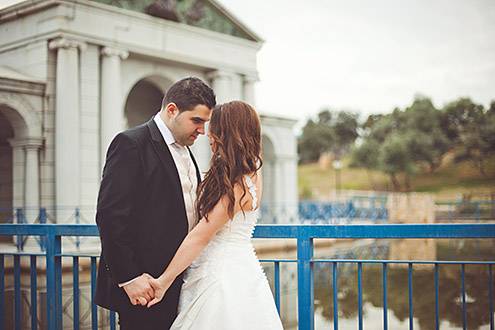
(187, 125)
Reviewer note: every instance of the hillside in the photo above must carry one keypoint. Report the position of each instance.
(448, 182)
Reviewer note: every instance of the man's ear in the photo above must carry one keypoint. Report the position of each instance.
(171, 109)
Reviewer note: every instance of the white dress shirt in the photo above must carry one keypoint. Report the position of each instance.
(185, 168)
(186, 171)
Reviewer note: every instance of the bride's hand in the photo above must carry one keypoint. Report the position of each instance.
(160, 286)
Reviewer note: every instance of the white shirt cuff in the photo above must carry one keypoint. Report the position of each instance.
(128, 282)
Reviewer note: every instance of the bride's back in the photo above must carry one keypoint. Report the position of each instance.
(235, 139)
(225, 287)
(241, 226)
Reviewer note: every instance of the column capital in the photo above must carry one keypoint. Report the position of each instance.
(251, 78)
(109, 51)
(219, 73)
(28, 143)
(66, 43)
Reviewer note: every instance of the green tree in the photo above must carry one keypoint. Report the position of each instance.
(395, 157)
(366, 155)
(403, 141)
(331, 132)
(461, 117)
(472, 129)
(428, 142)
(315, 139)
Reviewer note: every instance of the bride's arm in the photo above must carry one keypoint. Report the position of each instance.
(196, 241)
(191, 247)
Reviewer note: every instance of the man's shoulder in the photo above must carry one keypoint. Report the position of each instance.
(138, 134)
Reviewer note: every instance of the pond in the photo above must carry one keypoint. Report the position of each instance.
(450, 298)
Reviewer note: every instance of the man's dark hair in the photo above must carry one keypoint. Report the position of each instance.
(188, 93)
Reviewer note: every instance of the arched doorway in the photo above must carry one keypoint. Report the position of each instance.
(20, 142)
(144, 100)
(13, 133)
(6, 169)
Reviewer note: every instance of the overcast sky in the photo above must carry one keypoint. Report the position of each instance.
(369, 56)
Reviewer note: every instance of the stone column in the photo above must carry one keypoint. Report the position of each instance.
(289, 194)
(112, 110)
(26, 179)
(32, 178)
(18, 177)
(67, 127)
(220, 82)
(280, 182)
(269, 202)
(248, 92)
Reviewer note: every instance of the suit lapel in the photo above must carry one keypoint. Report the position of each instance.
(165, 157)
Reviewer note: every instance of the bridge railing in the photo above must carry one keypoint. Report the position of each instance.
(474, 210)
(51, 267)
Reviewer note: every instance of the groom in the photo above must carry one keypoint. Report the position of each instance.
(146, 205)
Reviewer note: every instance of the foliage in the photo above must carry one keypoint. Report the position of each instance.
(331, 132)
(473, 129)
(405, 141)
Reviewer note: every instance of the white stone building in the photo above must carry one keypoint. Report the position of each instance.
(74, 73)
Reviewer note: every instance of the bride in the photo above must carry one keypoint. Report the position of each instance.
(225, 286)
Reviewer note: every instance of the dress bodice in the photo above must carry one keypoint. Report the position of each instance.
(240, 228)
(226, 288)
(237, 232)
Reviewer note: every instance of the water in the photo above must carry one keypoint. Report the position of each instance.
(450, 299)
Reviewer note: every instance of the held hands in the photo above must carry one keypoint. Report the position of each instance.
(140, 290)
(160, 286)
(146, 290)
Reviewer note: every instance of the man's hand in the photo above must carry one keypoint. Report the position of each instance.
(160, 286)
(140, 290)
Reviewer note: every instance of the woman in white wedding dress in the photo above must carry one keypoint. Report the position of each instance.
(225, 286)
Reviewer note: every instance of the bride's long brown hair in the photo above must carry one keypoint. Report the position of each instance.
(236, 133)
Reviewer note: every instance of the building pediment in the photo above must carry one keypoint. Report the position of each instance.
(207, 14)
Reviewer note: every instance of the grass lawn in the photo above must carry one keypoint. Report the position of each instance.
(448, 182)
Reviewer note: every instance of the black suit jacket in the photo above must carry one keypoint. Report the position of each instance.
(140, 215)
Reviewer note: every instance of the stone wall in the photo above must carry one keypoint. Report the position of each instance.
(411, 208)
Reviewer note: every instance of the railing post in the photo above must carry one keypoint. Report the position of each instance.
(78, 221)
(305, 287)
(43, 218)
(478, 212)
(53, 280)
(19, 214)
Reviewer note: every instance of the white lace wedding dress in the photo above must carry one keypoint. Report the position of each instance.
(225, 287)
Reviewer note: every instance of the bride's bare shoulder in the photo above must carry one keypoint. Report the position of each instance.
(241, 192)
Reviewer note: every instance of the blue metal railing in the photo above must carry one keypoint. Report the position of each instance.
(328, 212)
(303, 234)
(44, 215)
(369, 209)
(476, 210)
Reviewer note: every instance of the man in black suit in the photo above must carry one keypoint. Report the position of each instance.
(146, 205)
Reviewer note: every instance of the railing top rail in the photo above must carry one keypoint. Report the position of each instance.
(49, 229)
(416, 262)
(292, 231)
(398, 231)
(466, 202)
(387, 261)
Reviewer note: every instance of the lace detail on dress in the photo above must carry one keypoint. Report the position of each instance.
(252, 191)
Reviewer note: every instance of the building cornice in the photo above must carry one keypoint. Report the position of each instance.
(122, 30)
(273, 120)
(26, 8)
